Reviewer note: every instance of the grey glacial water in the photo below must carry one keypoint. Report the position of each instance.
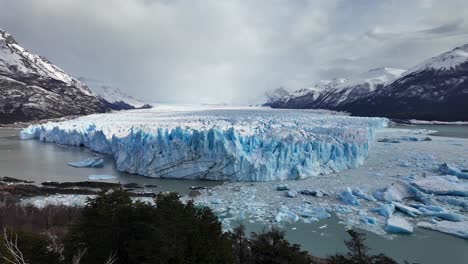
(37, 161)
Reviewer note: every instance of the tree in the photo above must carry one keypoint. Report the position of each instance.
(359, 252)
(21, 247)
(136, 232)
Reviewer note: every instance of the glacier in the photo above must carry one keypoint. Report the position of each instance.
(234, 144)
(94, 162)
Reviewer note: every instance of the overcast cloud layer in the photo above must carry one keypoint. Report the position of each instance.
(231, 51)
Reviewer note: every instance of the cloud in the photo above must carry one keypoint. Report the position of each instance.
(230, 51)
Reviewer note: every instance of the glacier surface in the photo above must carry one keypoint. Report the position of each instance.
(236, 144)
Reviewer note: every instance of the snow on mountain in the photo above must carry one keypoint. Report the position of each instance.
(446, 61)
(373, 78)
(336, 92)
(113, 95)
(436, 89)
(14, 59)
(32, 88)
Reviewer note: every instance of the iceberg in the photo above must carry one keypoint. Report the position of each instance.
(396, 224)
(96, 177)
(449, 216)
(359, 193)
(253, 144)
(347, 197)
(442, 185)
(454, 201)
(452, 170)
(385, 210)
(95, 162)
(317, 213)
(286, 215)
(401, 190)
(413, 212)
(459, 229)
(291, 194)
(369, 220)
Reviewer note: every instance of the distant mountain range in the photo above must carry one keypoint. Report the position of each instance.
(112, 96)
(32, 88)
(436, 89)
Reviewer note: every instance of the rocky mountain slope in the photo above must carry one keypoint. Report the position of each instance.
(32, 88)
(335, 93)
(436, 89)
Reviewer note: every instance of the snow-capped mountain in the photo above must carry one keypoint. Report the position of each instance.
(117, 99)
(436, 89)
(337, 92)
(32, 88)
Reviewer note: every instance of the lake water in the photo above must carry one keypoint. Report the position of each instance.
(37, 161)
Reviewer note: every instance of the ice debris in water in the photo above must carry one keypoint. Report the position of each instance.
(454, 201)
(454, 228)
(359, 193)
(220, 144)
(385, 210)
(347, 197)
(442, 185)
(286, 215)
(310, 212)
(369, 220)
(397, 224)
(96, 177)
(452, 170)
(291, 194)
(413, 212)
(95, 162)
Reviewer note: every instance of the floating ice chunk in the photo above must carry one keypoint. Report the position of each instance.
(342, 209)
(347, 197)
(359, 193)
(401, 190)
(407, 210)
(454, 201)
(442, 185)
(369, 220)
(432, 208)
(282, 187)
(96, 177)
(395, 192)
(459, 229)
(409, 138)
(388, 140)
(291, 194)
(396, 224)
(318, 212)
(314, 192)
(286, 215)
(449, 216)
(452, 170)
(385, 210)
(95, 162)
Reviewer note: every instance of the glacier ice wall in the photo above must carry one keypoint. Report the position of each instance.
(219, 144)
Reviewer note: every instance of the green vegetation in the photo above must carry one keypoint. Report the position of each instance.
(113, 229)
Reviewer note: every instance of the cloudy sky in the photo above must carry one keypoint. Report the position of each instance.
(231, 51)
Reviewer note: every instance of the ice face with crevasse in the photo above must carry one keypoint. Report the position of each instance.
(236, 144)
